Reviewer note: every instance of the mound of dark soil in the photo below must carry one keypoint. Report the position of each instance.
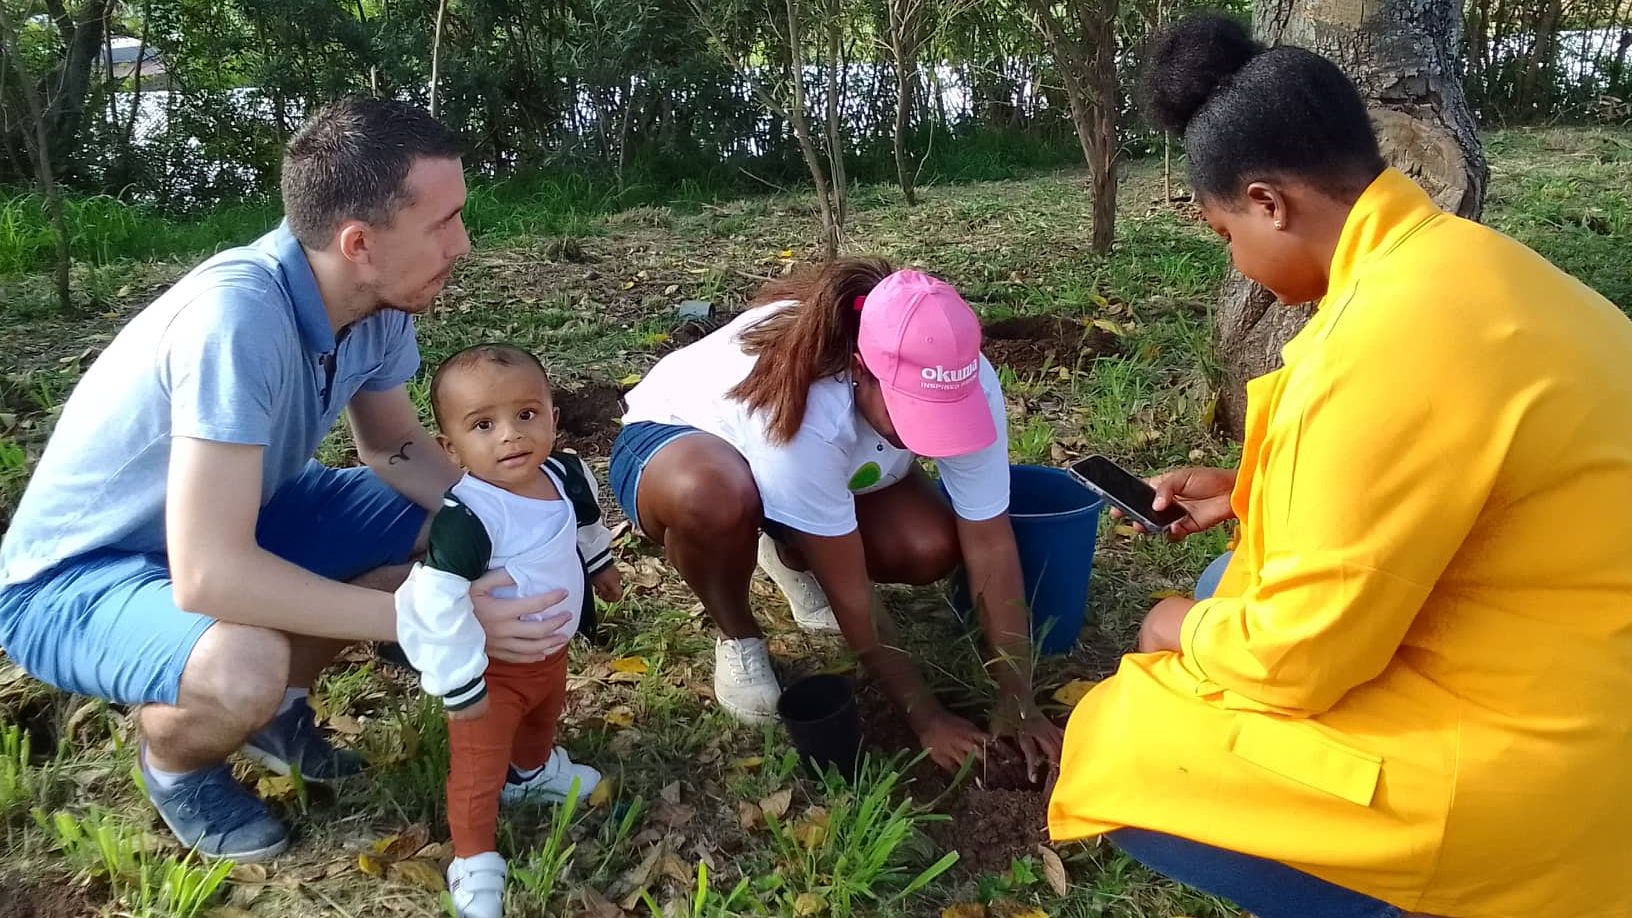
(589, 418)
(1026, 344)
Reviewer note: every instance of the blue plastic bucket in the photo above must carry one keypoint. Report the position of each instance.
(1056, 525)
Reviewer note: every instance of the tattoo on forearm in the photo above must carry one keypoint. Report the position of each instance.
(401, 454)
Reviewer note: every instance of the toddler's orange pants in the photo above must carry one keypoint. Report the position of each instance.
(524, 703)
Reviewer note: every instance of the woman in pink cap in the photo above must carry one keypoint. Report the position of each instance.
(804, 418)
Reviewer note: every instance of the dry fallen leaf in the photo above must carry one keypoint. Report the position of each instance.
(248, 874)
(345, 724)
(404, 844)
(1054, 871)
(750, 762)
(371, 865)
(622, 717)
(639, 877)
(670, 792)
(674, 815)
(809, 903)
(439, 852)
(419, 872)
(777, 804)
(787, 253)
(596, 905)
(276, 787)
(676, 869)
(602, 794)
(1160, 595)
(811, 829)
(964, 910)
(1073, 691)
(748, 815)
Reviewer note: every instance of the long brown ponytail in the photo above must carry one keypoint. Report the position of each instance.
(808, 341)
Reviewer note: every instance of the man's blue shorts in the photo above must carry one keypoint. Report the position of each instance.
(106, 624)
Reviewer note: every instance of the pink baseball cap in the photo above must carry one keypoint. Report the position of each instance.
(922, 341)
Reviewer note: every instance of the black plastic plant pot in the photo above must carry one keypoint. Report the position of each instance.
(821, 715)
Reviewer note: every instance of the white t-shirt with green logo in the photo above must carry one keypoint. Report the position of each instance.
(810, 482)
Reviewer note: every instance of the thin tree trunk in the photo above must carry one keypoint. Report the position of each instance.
(623, 131)
(1099, 28)
(835, 126)
(1402, 56)
(38, 142)
(63, 106)
(128, 138)
(904, 41)
(109, 84)
(1085, 56)
(801, 133)
(436, 52)
(940, 94)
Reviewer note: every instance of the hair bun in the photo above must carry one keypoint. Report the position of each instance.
(1188, 62)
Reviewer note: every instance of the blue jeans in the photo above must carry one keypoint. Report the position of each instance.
(1267, 889)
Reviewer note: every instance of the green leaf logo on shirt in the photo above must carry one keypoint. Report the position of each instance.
(866, 476)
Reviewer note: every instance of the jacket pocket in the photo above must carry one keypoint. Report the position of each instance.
(1296, 751)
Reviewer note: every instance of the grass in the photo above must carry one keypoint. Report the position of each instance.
(676, 831)
(102, 848)
(562, 202)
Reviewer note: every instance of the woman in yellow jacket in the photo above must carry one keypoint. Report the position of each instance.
(1412, 689)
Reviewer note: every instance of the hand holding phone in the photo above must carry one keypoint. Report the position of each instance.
(1203, 492)
(1126, 492)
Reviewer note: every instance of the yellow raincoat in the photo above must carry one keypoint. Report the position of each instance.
(1416, 678)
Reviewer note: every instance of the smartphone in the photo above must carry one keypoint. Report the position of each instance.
(1125, 491)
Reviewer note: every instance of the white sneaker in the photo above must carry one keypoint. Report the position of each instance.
(744, 683)
(477, 885)
(550, 784)
(811, 610)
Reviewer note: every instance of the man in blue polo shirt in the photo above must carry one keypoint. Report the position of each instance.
(178, 547)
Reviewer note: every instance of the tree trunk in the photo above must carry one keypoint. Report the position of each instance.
(37, 140)
(1099, 34)
(67, 88)
(904, 42)
(436, 52)
(1402, 56)
(1085, 56)
(801, 133)
(127, 169)
(835, 125)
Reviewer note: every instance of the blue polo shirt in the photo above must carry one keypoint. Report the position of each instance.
(238, 351)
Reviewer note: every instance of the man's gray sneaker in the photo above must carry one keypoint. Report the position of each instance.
(292, 738)
(210, 813)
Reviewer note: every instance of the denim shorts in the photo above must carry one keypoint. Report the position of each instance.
(106, 624)
(637, 443)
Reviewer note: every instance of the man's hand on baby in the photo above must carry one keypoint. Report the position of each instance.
(608, 584)
(509, 637)
(474, 712)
